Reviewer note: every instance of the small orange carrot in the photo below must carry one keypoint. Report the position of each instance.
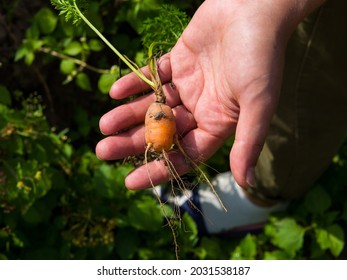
(160, 136)
(160, 127)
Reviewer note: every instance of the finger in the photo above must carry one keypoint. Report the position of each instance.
(126, 115)
(120, 146)
(132, 142)
(131, 84)
(197, 144)
(185, 121)
(252, 127)
(155, 172)
(133, 112)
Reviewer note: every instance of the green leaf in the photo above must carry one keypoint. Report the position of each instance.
(96, 45)
(33, 32)
(145, 214)
(74, 48)
(316, 252)
(5, 96)
(166, 28)
(276, 255)
(17, 241)
(332, 238)
(83, 81)
(104, 180)
(29, 58)
(105, 82)
(246, 250)
(32, 46)
(286, 234)
(47, 20)
(122, 171)
(140, 58)
(27, 50)
(317, 201)
(20, 53)
(69, 28)
(67, 66)
(68, 9)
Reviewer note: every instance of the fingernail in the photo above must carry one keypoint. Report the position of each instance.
(250, 177)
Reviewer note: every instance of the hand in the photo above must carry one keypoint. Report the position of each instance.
(226, 70)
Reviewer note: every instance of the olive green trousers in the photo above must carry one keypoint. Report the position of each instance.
(311, 120)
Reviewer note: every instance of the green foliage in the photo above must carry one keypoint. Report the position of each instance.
(68, 9)
(106, 80)
(135, 12)
(246, 250)
(78, 203)
(313, 222)
(83, 82)
(286, 234)
(317, 201)
(47, 20)
(331, 238)
(145, 215)
(51, 35)
(174, 20)
(25, 142)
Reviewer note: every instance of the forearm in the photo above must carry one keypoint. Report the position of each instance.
(280, 16)
(291, 12)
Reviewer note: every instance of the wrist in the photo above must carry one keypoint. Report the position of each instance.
(282, 15)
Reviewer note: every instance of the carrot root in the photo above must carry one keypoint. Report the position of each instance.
(161, 204)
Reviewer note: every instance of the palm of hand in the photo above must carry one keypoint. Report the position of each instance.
(227, 78)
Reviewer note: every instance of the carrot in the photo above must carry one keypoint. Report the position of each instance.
(160, 127)
(161, 137)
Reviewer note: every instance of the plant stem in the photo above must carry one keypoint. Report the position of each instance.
(153, 67)
(75, 60)
(151, 55)
(122, 57)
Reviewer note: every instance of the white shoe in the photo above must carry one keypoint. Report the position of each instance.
(242, 215)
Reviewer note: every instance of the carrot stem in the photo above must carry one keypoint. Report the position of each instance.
(122, 57)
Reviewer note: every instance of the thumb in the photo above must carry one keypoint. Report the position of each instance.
(252, 127)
